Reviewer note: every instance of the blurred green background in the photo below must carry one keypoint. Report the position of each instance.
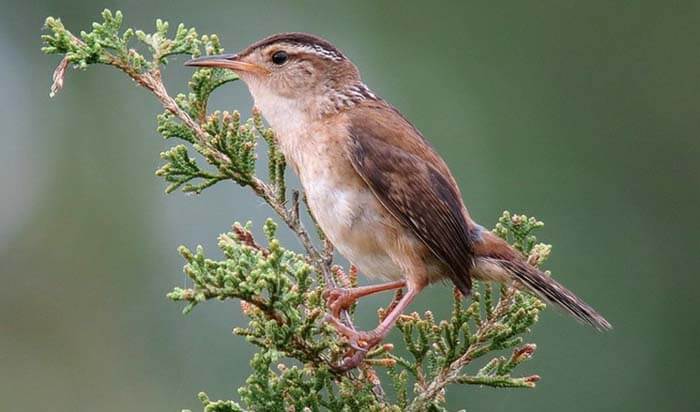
(585, 114)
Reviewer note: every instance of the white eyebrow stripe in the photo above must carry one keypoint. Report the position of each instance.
(320, 51)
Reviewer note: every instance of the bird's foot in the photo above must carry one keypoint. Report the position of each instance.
(339, 299)
(360, 343)
(353, 359)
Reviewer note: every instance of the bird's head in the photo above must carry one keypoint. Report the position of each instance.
(298, 68)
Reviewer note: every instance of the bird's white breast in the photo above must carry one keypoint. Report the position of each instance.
(344, 207)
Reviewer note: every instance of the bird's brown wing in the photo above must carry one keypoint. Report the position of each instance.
(413, 183)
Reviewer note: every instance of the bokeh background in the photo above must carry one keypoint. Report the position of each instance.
(583, 113)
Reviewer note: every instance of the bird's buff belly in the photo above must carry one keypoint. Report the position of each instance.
(356, 224)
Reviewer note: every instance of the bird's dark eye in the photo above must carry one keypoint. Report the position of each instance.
(280, 57)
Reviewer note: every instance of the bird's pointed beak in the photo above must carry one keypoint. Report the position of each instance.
(227, 61)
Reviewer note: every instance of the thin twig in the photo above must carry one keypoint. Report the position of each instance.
(246, 238)
(58, 76)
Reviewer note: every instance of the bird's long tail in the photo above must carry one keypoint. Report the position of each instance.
(548, 289)
(497, 261)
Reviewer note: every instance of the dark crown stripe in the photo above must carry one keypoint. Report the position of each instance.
(299, 39)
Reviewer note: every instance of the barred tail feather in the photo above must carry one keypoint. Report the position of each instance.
(548, 289)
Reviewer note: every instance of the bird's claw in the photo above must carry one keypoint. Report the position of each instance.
(338, 299)
(360, 343)
(352, 361)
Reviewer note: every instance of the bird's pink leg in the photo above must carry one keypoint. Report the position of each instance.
(342, 298)
(362, 341)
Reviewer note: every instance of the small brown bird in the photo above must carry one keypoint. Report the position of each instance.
(377, 188)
